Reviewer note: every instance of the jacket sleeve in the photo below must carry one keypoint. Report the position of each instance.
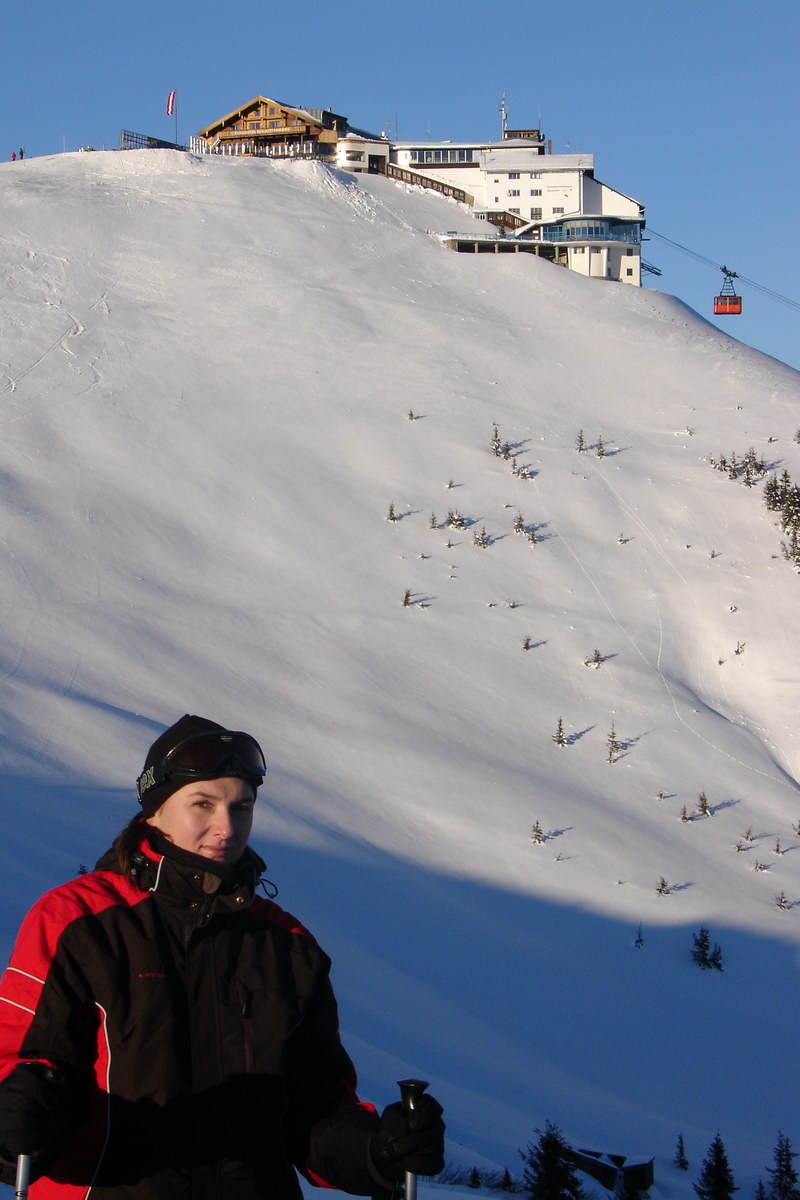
(327, 1127)
(46, 1011)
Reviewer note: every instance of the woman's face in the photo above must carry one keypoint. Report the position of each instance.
(212, 818)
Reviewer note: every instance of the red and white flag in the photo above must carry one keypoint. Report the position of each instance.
(171, 104)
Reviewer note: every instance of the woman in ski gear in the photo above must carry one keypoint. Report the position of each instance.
(166, 1034)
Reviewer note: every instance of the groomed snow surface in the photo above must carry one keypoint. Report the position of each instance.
(216, 376)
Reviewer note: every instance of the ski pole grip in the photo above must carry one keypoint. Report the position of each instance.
(410, 1092)
(23, 1176)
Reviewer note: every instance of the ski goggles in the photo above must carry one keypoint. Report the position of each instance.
(207, 756)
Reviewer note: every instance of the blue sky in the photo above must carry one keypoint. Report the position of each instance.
(691, 107)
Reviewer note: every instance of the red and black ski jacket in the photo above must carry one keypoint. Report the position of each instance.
(198, 1031)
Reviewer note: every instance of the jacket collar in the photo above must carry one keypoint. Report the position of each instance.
(163, 868)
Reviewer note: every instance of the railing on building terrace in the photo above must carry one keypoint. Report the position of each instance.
(425, 181)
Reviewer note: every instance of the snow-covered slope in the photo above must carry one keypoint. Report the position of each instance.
(216, 376)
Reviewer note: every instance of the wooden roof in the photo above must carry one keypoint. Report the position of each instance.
(302, 114)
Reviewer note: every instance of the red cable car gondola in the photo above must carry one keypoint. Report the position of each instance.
(727, 303)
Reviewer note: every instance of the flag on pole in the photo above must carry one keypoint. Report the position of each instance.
(171, 104)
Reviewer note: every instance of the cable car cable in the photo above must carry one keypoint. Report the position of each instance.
(759, 287)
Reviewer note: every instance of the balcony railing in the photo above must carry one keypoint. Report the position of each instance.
(583, 235)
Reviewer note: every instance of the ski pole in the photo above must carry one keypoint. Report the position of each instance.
(410, 1092)
(23, 1176)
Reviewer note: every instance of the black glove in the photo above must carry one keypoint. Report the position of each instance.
(33, 1109)
(409, 1141)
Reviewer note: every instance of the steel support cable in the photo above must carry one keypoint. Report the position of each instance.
(759, 287)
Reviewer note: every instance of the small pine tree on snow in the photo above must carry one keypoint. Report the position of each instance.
(662, 887)
(781, 901)
(706, 956)
(433, 523)
(638, 941)
(507, 1182)
(685, 816)
(537, 834)
(783, 1176)
(680, 1154)
(600, 449)
(761, 1192)
(481, 539)
(391, 515)
(532, 535)
(475, 1178)
(519, 524)
(703, 807)
(716, 1177)
(580, 443)
(559, 737)
(548, 1173)
(613, 744)
(595, 660)
(407, 598)
(495, 442)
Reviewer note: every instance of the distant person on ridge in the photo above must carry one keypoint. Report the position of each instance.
(166, 1034)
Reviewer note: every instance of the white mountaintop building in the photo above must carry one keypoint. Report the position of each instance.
(550, 199)
(538, 202)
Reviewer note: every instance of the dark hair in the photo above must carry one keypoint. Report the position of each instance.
(127, 843)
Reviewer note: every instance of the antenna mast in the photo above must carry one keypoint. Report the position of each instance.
(503, 116)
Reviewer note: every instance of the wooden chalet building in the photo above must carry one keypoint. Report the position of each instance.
(266, 128)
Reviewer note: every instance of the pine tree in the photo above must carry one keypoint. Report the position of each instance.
(475, 1178)
(716, 1178)
(600, 449)
(761, 1192)
(662, 887)
(707, 957)
(680, 1154)
(783, 1176)
(580, 443)
(507, 1182)
(537, 834)
(613, 744)
(391, 516)
(548, 1174)
(559, 737)
(703, 807)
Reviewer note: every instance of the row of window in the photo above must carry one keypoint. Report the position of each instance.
(441, 156)
(534, 192)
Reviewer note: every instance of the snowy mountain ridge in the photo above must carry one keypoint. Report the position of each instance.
(216, 377)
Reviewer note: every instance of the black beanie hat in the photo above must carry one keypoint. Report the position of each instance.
(188, 725)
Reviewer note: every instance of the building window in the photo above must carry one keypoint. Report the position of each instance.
(441, 156)
(355, 156)
(536, 214)
(513, 174)
(557, 210)
(514, 210)
(536, 191)
(536, 174)
(629, 270)
(629, 252)
(513, 191)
